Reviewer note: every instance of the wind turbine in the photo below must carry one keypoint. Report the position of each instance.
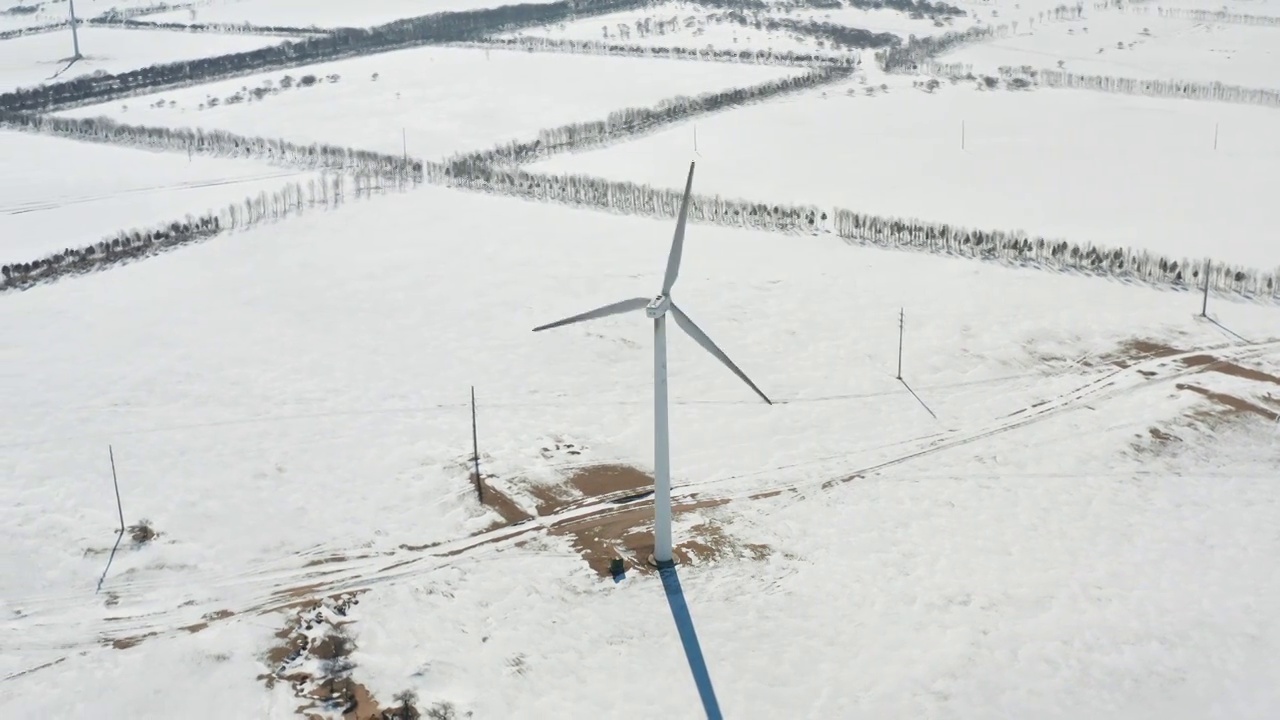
(75, 38)
(657, 309)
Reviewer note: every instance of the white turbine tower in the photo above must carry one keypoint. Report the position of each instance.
(658, 308)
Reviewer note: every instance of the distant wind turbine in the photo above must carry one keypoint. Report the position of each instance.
(75, 37)
(657, 309)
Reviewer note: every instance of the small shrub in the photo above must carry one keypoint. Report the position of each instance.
(143, 532)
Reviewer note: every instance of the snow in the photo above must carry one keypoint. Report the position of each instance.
(1204, 52)
(1069, 537)
(440, 100)
(1082, 166)
(60, 193)
(36, 59)
(298, 392)
(290, 13)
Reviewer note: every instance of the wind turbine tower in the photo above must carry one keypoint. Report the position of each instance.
(657, 309)
(75, 37)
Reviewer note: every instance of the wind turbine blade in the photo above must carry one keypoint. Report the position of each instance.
(615, 309)
(686, 323)
(677, 244)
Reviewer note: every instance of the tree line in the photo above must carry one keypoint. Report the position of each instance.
(129, 23)
(218, 143)
(343, 43)
(324, 191)
(595, 47)
(918, 51)
(838, 35)
(1021, 249)
(1221, 16)
(1183, 89)
(33, 30)
(630, 122)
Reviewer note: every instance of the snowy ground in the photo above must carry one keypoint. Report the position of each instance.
(330, 14)
(1085, 529)
(37, 59)
(429, 98)
(1123, 171)
(46, 207)
(310, 391)
(1138, 46)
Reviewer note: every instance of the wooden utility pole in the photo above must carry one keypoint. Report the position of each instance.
(902, 325)
(1204, 306)
(120, 510)
(475, 446)
(961, 134)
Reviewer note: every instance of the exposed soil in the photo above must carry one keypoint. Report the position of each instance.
(605, 479)
(496, 499)
(1230, 404)
(208, 618)
(1162, 436)
(1136, 351)
(313, 656)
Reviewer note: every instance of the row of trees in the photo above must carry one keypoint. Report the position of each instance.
(838, 35)
(347, 42)
(593, 47)
(632, 199)
(1106, 83)
(1161, 88)
(630, 122)
(919, 51)
(1011, 247)
(1221, 16)
(217, 143)
(1060, 255)
(33, 30)
(325, 190)
(221, 28)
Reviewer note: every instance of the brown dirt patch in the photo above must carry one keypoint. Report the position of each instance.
(494, 498)
(1162, 436)
(1135, 351)
(313, 656)
(607, 479)
(127, 642)
(1231, 405)
(208, 618)
(628, 534)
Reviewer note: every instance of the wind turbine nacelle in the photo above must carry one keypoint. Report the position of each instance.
(658, 307)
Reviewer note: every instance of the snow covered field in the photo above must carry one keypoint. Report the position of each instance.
(442, 100)
(1070, 512)
(37, 59)
(1138, 46)
(46, 206)
(1115, 170)
(331, 14)
(291, 395)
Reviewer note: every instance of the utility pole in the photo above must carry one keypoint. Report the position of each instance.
(475, 446)
(75, 38)
(961, 134)
(1215, 137)
(1204, 306)
(902, 325)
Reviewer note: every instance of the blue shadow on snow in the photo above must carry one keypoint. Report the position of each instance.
(689, 638)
